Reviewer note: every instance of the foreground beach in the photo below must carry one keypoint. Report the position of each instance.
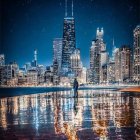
(55, 115)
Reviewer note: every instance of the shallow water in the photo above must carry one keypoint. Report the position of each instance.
(94, 115)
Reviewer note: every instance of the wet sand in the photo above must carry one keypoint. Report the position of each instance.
(131, 89)
(94, 115)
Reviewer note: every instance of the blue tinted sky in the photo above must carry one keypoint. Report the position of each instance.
(29, 24)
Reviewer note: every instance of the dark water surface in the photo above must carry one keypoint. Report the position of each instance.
(95, 115)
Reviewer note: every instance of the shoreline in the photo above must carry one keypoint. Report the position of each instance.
(17, 91)
(130, 89)
(86, 86)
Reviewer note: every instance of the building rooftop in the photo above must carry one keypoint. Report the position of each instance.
(69, 18)
(138, 26)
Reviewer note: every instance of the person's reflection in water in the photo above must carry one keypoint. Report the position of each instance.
(75, 87)
(75, 106)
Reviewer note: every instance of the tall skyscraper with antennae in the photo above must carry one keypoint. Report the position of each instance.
(69, 40)
(113, 50)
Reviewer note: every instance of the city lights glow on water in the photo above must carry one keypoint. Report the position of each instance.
(95, 114)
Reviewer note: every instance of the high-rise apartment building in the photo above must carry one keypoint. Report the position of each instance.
(2, 60)
(136, 55)
(98, 59)
(117, 65)
(55, 72)
(123, 65)
(8, 74)
(94, 63)
(32, 77)
(104, 59)
(57, 52)
(126, 65)
(111, 72)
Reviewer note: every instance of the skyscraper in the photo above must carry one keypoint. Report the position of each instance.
(8, 74)
(136, 56)
(35, 57)
(69, 40)
(34, 62)
(117, 64)
(57, 52)
(111, 72)
(94, 63)
(113, 51)
(111, 66)
(2, 60)
(98, 59)
(123, 64)
(104, 59)
(55, 72)
(76, 64)
(49, 75)
(104, 56)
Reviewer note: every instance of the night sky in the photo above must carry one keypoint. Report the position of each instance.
(29, 24)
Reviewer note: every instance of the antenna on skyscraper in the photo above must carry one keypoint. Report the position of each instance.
(72, 8)
(113, 42)
(35, 57)
(65, 8)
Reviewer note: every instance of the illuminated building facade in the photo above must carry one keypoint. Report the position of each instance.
(32, 77)
(34, 62)
(98, 58)
(69, 41)
(103, 74)
(88, 73)
(22, 78)
(113, 51)
(55, 72)
(126, 65)
(2, 75)
(8, 74)
(75, 63)
(123, 64)
(84, 75)
(111, 72)
(104, 57)
(2, 60)
(94, 62)
(41, 72)
(57, 51)
(49, 75)
(117, 65)
(136, 55)
(111, 67)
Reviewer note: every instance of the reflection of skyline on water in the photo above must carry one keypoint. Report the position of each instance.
(95, 115)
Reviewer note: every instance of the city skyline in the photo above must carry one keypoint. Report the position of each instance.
(28, 23)
(70, 69)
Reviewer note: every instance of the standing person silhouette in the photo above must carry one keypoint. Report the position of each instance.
(75, 87)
